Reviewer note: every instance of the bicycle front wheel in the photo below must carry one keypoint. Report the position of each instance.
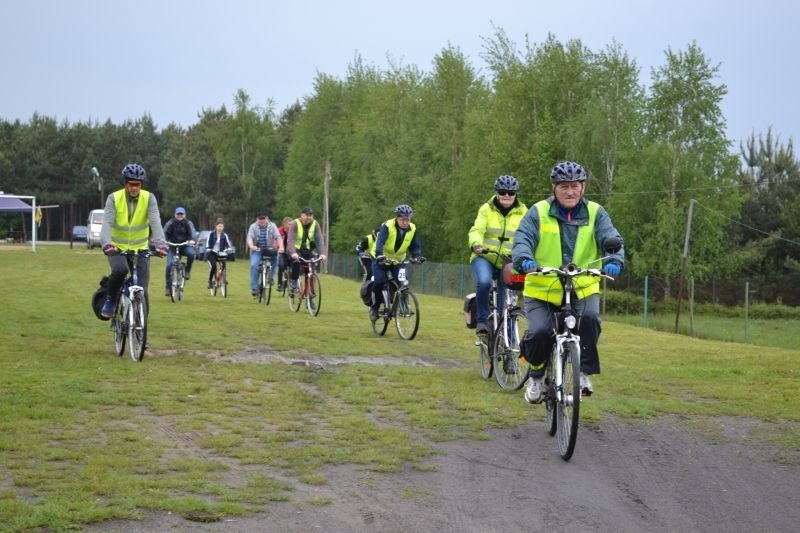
(406, 313)
(295, 296)
(509, 370)
(569, 406)
(550, 399)
(223, 282)
(119, 327)
(314, 294)
(137, 327)
(174, 291)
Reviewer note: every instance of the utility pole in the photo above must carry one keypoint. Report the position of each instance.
(326, 211)
(683, 263)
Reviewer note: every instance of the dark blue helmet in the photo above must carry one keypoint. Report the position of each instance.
(506, 183)
(567, 171)
(133, 171)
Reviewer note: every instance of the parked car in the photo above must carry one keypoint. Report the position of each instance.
(200, 245)
(79, 233)
(95, 223)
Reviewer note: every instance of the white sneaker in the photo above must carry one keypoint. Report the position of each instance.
(533, 391)
(586, 385)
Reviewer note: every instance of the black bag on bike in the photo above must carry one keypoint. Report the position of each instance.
(99, 298)
(366, 292)
(471, 310)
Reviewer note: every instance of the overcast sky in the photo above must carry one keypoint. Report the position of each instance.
(87, 60)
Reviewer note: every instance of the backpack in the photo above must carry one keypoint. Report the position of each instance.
(99, 298)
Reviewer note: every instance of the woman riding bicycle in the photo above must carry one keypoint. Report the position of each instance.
(493, 231)
(564, 228)
(130, 218)
(218, 242)
(397, 236)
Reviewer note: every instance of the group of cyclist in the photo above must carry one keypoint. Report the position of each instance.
(563, 228)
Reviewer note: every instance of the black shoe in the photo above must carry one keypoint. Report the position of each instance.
(373, 314)
(167, 293)
(188, 276)
(482, 328)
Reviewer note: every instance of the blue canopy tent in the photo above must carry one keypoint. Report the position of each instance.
(11, 203)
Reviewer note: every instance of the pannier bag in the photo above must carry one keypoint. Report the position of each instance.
(366, 293)
(99, 298)
(470, 311)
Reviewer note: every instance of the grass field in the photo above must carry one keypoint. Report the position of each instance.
(217, 419)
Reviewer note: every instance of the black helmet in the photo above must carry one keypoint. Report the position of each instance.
(403, 210)
(133, 171)
(567, 171)
(506, 183)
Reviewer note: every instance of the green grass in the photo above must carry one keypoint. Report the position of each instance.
(218, 420)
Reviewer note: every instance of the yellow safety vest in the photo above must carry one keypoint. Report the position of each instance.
(301, 235)
(548, 254)
(500, 230)
(388, 246)
(131, 231)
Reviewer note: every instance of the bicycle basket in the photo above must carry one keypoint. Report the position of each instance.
(513, 279)
(269, 252)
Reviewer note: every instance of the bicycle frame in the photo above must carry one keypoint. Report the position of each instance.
(126, 323)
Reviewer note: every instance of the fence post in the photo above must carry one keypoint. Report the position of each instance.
(645, 301)
(746, 311)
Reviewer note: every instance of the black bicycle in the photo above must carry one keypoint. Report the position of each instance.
(178, 277)
(265, 275)
(398, 302)
(130, 316)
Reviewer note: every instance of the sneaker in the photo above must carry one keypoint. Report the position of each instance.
(280, 286)
(373, 314)
(482, 328)
(210, 285)
(108, 309)
(586, 385)
(167, 293)
(188, 276)
(254, 294)
(533, 391)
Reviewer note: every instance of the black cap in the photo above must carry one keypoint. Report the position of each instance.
(307, 211)
(261, 214)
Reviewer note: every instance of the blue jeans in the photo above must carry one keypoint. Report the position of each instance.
(484, 273)
(255, 261)
(187, 252)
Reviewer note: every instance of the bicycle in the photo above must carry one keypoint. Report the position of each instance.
(130, 316)
(265, 275)
(562, 373)
(500, 349)
(398, 301)
(308, 289)
(178, 276)
(219, 281)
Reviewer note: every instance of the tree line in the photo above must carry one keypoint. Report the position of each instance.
(437, 139)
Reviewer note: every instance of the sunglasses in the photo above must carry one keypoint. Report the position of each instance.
(506, 193)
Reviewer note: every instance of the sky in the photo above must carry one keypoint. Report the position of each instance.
(94, 60)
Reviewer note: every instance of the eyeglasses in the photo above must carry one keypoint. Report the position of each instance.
(506, 193)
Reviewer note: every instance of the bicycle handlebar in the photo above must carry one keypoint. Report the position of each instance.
(570, 270)
(505, 257)
(176, 244)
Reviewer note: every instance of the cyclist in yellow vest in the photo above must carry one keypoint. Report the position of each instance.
(397, 236)
(564, 228)
(366, 252)
(304, 239)
(493, 230)
(130, 219)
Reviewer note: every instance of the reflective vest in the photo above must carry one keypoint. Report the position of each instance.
(548, 253)
(371, 241)
(500, 230)
(391, 238)
(304, 238)
(130, 231)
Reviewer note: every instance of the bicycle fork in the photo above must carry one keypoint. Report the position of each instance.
(557, 361)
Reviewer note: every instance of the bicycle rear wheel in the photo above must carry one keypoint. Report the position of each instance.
(509, 370)
(137, 327)
(484, 352)
(119, 327)
(314, 295)
(406, 313)
(569, 406)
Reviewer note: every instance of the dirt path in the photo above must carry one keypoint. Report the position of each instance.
(624, 477)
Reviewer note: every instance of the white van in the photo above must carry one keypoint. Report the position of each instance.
(94, 224)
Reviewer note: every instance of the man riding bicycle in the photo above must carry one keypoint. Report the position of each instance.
(304, 240)
(564, 228)
(130, 218)
(397, 236)
(179, 229)
(262, 235)
(493, 231)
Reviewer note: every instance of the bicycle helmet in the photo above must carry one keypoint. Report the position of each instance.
(567, 171)
(133, 171)
(403, 210)
(506, 183)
